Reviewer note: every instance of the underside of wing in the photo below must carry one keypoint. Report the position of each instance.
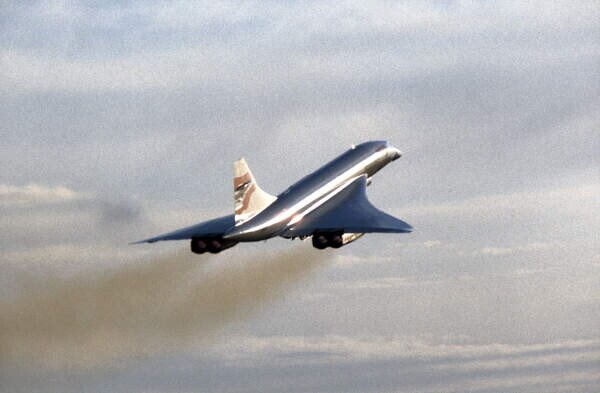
(215, 227)
(348, 211)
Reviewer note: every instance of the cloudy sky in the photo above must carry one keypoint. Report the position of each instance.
(120, 120)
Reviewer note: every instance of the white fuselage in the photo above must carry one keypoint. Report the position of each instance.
(312, 191)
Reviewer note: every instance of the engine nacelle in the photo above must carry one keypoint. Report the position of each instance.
(199, 245)
(214, 245)
(322, 240)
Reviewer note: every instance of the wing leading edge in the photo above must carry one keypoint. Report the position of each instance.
(351, 212)
(215, 227)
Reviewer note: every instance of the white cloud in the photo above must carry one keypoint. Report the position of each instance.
(298, 44)
(432, 243)
(497, 251)
(353, 16)
(384, 283)
(351, 260)
(473, 366)
(559, 200)
(530, 247)
(172, 69)
(32, 194)
(381, 347)
(24, 72)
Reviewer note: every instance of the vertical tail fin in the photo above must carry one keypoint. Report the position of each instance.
(249, 198)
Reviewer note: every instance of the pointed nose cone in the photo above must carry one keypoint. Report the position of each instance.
(394, 153)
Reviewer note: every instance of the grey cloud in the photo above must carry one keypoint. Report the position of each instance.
(119, 211)
(46, 212)
(525, 369)
(472, 130)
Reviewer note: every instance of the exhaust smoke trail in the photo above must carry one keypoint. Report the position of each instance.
(137, 310)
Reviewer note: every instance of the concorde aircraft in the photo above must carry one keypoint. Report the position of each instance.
(329, 205)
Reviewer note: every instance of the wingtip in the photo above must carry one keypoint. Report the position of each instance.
(142, 241)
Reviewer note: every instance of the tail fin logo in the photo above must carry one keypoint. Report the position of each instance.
(248, 197)
(244, 187)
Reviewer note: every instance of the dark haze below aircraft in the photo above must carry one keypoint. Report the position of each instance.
(330, 205)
